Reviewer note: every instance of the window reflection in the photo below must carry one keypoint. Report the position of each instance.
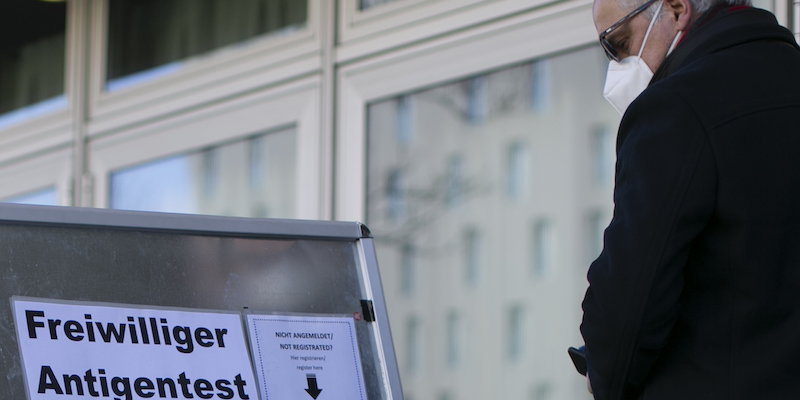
(540, 85)
(405, 120)
(477, 110)
(258, 163)
(412, 344)
(521, 133)
(407, 269)
(32, 48)
(543, 248)
(453, 344)
(472, 255)
(515, 332)
(42, 197)
(219, 180)
(455, 181)
(396, 194)
(518, 170)
(146, 37)
(164, 185)
(210, 167)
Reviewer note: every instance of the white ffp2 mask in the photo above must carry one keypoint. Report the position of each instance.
(628, 78)
(625, 81)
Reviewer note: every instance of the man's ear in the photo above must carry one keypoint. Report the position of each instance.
(680, 12)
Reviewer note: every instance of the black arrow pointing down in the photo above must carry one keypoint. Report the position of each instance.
(312, 390)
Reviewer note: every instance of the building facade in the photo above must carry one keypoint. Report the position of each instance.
(470, 135)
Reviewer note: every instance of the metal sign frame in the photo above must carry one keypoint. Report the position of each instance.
(92, 220)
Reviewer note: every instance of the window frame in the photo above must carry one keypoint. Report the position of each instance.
(55, 129)
(292, 105)
(435, 62)
(403, 22)
(219, 74)
(52, 169)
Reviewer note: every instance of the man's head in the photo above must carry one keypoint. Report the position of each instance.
(675, 16)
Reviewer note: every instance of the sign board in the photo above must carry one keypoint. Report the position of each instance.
(82, 349)
(131, 305)
(320, 352)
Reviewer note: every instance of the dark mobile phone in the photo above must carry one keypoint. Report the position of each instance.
(578, 358)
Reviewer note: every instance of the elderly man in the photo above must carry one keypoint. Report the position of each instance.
(696, 294)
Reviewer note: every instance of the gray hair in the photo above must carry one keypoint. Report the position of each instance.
(698, 6)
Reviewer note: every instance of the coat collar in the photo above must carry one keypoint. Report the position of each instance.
(719, 28)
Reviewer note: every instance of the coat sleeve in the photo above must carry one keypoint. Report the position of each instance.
(664, 195)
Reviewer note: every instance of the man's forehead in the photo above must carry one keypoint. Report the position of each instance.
(606, 13)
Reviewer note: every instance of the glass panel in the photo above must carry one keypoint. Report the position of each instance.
(365, 4)
(491, 191)
(146, 37)
(31, 57)
(254, 177)
(43, 197)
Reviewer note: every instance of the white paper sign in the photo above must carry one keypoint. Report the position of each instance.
(301, 357)
(73, 350)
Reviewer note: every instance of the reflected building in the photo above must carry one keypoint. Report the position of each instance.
(482, 195)
(470, 135)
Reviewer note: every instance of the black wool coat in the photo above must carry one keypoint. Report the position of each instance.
(696, 294)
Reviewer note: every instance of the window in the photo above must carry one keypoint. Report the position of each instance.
(407, 269)
(518, 171)
(396, 194)
(518, 168)
(147, 37)
(412, 344)
(163, 185)
(540, 85)
(32, 48)
(405, 120)
(215, 180)
(543, 248)
(472, 255)
(453, 344)
(455, 181)
(258, 162)
(477, 107)
(603, 149)
(514, 333)
(43, 197)
(210, 161)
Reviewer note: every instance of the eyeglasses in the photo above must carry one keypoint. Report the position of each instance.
(611, 53)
